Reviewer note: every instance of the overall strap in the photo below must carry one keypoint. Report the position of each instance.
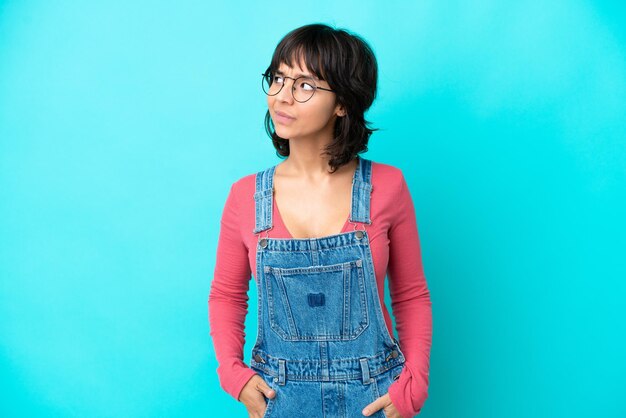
(263, 196)
(361, 192)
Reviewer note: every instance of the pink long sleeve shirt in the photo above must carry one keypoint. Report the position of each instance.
(396, 253)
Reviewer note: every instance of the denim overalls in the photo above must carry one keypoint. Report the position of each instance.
(322, 342)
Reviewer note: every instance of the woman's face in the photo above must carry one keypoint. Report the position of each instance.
(312, 119)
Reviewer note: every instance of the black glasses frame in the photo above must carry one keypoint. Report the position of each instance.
(266, 75)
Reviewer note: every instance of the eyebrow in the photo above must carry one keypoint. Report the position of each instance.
(297, 75)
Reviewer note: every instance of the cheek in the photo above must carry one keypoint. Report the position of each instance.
(322, 116)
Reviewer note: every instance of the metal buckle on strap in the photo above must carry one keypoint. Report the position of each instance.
(356, 224)
(262, 241)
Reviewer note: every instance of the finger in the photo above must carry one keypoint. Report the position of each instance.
(262, 387)
(377, 405)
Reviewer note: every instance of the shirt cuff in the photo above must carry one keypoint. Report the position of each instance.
(238, 383)
(408, 394)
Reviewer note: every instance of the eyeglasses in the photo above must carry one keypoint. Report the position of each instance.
(303, 87)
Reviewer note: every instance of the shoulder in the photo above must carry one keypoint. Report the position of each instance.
(242, 184)
(243, 188)
(390, 187)
(248, 181)
(387, 176)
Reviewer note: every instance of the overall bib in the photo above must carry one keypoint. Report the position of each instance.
(322, 343)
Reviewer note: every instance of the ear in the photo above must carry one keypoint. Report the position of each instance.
(340, 111)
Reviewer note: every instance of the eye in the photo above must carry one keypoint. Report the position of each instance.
(308, 86)
(278, 79)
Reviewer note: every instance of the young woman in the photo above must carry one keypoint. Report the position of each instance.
(320, 232)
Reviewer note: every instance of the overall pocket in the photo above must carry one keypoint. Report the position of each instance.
(269, 402)
(386, 379)
(317, 303)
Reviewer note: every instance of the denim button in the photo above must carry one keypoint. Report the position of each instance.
(359, 234)
(263, 243)
(393, 354)
(258, 358)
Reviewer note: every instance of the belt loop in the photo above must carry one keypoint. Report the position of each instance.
(281, 372)
(365, 371)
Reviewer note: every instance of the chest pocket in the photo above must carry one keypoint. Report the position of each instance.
(317, 303)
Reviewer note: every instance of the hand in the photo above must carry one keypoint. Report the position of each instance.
(384, 402)
(253, 396)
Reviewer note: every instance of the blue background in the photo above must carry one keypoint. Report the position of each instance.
(123, 125)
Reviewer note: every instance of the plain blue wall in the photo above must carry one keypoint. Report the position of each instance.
(123, 125)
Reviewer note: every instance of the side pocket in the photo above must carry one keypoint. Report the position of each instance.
(395, 375)
(385, 380)
(377, 393)
(268, 408)
(269, 402)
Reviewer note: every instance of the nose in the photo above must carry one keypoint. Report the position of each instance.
(285, 94)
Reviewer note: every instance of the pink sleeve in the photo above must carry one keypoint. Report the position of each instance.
(411, 305)
(228, 301)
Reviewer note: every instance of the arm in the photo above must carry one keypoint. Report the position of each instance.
(228, 301)
(410, 301)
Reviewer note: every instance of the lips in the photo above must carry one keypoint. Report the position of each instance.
(283, 114)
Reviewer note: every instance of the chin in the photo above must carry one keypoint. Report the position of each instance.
(281, 132)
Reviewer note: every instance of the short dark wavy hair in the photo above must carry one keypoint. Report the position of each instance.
(348, 64)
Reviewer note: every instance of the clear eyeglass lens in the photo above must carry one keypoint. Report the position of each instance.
(303, 87)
